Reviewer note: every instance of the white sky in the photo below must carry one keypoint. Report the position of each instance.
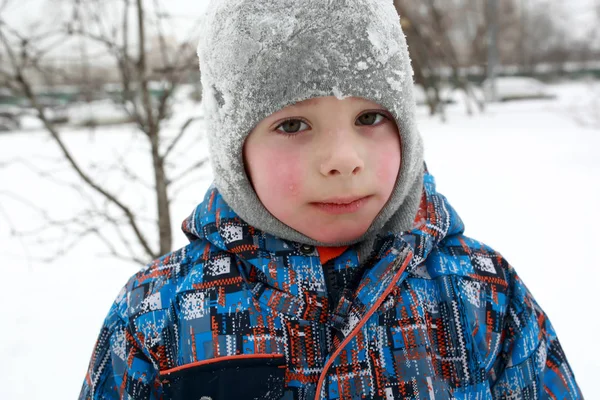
(23, 10)
(23, 13)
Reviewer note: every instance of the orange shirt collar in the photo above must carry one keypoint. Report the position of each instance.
(329, 253)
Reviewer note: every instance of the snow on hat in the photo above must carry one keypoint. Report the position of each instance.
(257, 57)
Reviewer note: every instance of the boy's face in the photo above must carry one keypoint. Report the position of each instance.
(325, 167)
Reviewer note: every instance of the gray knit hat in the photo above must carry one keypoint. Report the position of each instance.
(259, 56)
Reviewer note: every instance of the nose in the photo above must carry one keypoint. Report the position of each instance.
(342, 155)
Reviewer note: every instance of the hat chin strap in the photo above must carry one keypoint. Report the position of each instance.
(396, 216)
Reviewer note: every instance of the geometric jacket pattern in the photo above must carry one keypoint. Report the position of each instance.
(241, 314)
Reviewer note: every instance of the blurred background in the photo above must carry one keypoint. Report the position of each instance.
(103, 154)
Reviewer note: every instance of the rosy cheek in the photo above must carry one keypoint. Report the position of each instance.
(285, 172)
(277, 177)
(388, 164)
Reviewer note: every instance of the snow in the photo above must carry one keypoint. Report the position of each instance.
(524, 177)
(98, 112)
(516, 87)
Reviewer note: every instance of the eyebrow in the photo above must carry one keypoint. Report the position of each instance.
(311, 101)
(305, 103)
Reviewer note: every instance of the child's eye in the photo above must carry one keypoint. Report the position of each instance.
(292, 126)
(370, 118)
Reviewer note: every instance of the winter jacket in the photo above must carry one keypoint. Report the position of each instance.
(241, 314)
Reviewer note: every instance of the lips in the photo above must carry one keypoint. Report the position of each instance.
(342, 205)
(341, 200)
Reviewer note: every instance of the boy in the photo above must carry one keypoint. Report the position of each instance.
(322, 264)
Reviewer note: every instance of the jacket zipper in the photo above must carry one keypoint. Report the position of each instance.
(331, 283)
(359, 326)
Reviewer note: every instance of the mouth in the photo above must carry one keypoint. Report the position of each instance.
(342, 205)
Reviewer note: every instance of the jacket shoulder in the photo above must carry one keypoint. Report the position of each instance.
(166, 305)
(473, 273)
(155, 286)
(460, 255)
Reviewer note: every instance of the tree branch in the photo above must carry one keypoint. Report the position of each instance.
(179, 136)
(188, 170)
(86, 178)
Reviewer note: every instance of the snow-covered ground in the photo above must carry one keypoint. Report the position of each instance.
(524, 176)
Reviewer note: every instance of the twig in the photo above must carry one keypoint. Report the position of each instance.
(13, 231)
(188, 170)
(181, 133)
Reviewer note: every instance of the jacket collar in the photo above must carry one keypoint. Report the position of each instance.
(288, 276)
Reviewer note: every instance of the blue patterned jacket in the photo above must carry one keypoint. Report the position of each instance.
(240, 314)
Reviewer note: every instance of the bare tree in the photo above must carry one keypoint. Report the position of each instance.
(433, 36)
(448, 42)
(121, 31)
(588, 48)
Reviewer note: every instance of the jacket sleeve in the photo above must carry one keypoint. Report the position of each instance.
(119, 369)
(531, 364)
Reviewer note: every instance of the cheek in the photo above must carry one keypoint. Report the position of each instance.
(388, 164)
(275, 173)
(285, 174)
